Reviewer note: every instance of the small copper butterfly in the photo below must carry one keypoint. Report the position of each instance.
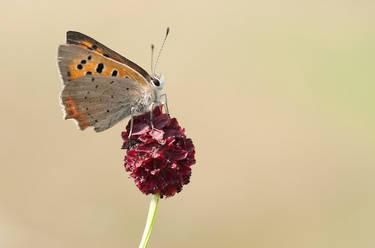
(101, 87)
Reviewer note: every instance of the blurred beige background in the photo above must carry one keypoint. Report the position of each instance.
(278, 97)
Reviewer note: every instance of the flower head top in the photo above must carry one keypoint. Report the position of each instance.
(158, 154)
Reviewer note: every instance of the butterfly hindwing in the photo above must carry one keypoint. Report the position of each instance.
(102, 101)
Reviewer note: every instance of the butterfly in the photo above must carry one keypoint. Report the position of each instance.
(101, 87)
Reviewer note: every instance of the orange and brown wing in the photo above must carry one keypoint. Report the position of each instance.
(75, 61)
(86, 42)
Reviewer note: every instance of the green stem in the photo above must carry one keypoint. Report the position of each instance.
(150, 220)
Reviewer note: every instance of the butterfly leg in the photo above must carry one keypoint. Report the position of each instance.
(165, 103)
(132, 111)
(152, 108)
(158, 103)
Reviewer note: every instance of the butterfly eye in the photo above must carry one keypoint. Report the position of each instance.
(156, 82)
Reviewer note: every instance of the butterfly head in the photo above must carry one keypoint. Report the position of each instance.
(158, 82)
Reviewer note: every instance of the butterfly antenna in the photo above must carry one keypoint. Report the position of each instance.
(152, 59)
(161, 49)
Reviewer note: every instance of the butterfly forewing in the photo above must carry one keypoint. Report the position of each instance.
(90, 44)
(75, 61)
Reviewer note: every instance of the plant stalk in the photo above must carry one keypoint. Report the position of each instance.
(150, 220)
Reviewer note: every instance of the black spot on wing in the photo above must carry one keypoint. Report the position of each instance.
(100, 68)
(93, 47)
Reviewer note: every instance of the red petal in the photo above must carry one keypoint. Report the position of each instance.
(157, 135)
(140, 128)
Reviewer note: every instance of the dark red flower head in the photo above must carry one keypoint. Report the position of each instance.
(158, 157)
